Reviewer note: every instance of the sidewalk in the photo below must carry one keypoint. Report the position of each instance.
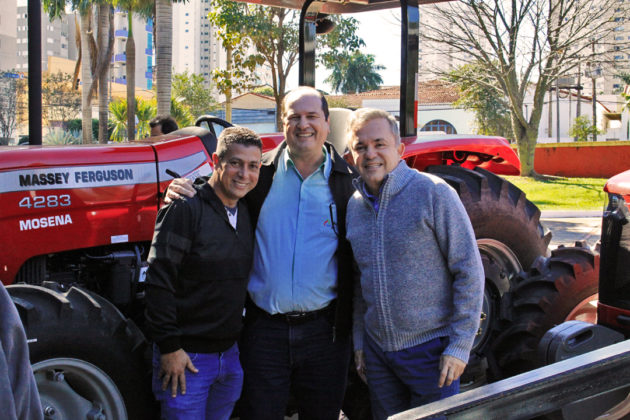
(568, 226)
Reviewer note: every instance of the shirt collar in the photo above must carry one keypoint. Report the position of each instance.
(325, 167)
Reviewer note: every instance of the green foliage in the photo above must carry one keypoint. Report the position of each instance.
(263, 90)
(230, 20)
(583, 130)
(624, 76)
(74, 126)
(190, 91)
(273, 31)
(58, 136)
(355, 72)
(60, 101)
(145, 111)
(480, 93)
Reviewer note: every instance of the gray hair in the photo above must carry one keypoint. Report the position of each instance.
(364, 115)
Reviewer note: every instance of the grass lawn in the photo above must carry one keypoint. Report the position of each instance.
(557, 193)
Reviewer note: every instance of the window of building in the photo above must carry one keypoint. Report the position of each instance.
(186, 14)
(439, 125)
(186, 47)
(186, 30)
(50, 40)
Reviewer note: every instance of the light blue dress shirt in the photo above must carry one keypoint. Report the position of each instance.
(295, 267)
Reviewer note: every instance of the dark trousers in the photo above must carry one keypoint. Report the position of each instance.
(278, 356)
(401, 380)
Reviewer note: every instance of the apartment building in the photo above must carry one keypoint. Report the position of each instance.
(143, 40)
(196, 48)
(8, 32)
(57, 37)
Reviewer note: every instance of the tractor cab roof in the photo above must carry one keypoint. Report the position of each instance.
(339, 6)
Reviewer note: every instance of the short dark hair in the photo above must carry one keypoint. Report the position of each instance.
(236, 135)
(166, 122)
(309, 89)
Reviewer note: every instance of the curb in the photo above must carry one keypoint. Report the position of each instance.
(561, 214)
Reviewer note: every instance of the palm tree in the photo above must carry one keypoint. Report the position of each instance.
(145, 9)
(94, 62)
(118, 113)
(354, 73)
(164, 53)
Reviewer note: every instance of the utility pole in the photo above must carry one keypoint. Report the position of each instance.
(34, 21)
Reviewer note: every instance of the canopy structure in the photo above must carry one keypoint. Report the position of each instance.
(312, 13)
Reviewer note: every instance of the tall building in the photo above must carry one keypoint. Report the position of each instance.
(57, 38)
(8, 32)
(143, 40)
(196, 48)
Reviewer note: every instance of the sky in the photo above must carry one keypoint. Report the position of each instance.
(381, 32)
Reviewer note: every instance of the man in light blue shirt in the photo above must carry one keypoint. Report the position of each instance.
(298, 320)
(302, 247)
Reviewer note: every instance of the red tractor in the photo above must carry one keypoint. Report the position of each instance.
(78, 221)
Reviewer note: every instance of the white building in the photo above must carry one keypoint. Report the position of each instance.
(58, 38)
(143, 40)
(8, 34)
(196, 49)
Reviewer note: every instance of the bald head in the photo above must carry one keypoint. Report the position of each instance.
(305, 91)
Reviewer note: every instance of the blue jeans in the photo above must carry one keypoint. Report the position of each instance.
(210, 393)
(401, 380)
(278, 357)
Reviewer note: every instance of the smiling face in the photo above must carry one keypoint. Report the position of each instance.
(375, 151)
(236, 174)
(305, 124)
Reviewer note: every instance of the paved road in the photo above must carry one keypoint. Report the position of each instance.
(565, 231)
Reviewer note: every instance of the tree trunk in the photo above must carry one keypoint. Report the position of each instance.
(228, 92)
(104, 22)
(164, 54)
(130, 51)
(86, 76)
(526, 139)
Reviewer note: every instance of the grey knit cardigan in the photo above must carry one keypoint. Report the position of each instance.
(421, 273)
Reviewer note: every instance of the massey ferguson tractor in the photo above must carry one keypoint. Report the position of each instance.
(77, 222)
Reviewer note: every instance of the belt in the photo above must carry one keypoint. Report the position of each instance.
(293, 317)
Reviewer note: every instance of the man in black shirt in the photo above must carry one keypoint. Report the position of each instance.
(199, 264)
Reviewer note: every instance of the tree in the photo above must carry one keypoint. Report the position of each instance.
(492, 112)
(273, 31)
(582, 129)
(522, 46)
(61, 102)
(238, 75)
(191, 90)
(143, 8)
(94, 57)
(144, 112)
(163, 53)
(355, 72)
(8, 106)
(263, 90)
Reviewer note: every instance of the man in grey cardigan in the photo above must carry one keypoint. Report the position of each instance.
(422, 280)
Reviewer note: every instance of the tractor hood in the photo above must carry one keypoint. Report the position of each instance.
(619, 184)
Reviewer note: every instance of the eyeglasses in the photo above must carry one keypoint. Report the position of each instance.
(332, 208)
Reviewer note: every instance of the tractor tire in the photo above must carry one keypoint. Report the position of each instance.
(510, 238)
(89, 361)
(555, 289)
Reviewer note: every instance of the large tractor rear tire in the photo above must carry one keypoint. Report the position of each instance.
(89, 361)
(510, 237)
(556, 289)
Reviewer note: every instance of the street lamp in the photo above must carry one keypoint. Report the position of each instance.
(593, 70)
